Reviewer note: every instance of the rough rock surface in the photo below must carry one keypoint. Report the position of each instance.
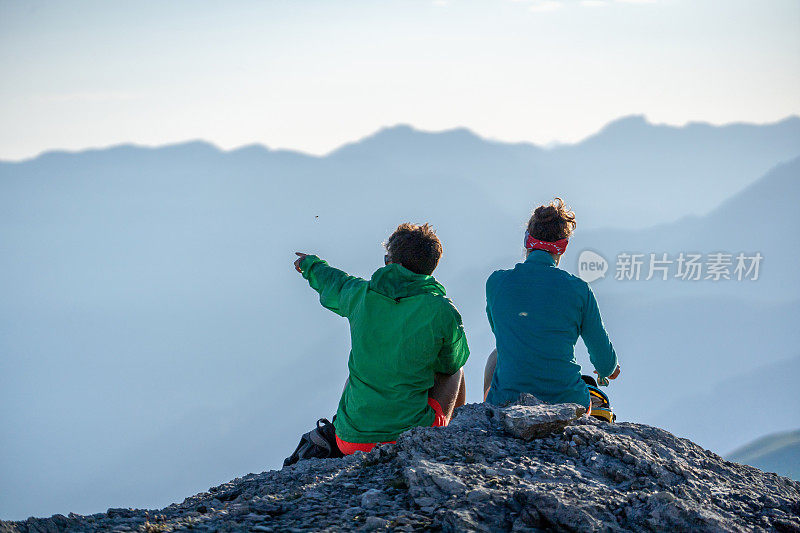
(563, 472)
(526, 423)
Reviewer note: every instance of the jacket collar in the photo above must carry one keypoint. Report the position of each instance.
(541, 257)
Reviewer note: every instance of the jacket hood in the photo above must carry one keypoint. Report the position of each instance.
(396, 281)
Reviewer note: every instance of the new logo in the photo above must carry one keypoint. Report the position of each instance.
(591, 266)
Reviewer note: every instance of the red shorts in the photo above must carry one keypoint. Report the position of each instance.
(349, 448)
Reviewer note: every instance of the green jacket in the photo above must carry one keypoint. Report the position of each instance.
(403, 330)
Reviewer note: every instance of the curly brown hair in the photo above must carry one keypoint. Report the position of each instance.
(415, 247)
(552, 222)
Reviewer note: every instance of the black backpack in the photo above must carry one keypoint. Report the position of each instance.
(319, 442)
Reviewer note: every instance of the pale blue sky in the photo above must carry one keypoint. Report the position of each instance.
(311, 75)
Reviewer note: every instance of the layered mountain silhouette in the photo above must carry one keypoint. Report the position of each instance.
(733, 412)
(776, 452)
(149, 298)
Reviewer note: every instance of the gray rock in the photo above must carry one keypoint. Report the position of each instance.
(373, 522)
(529, 399)
(372, 498)
(478, 495)
(352, 512)
(529, 422)
(425, 501)
(517, 468)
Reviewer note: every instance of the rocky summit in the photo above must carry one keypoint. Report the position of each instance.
(526, 467)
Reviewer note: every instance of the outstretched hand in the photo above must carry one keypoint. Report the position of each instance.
(300, 257)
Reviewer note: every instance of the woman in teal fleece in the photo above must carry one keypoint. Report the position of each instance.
(537, 311)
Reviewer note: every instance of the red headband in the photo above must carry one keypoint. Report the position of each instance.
(557, 247)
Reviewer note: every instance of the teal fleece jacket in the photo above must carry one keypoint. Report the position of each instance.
(537, 312)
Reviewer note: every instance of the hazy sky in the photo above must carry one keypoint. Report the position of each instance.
(312, 75)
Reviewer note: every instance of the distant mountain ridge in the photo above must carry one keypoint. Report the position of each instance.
(622, 130)
(733, 411)
(777, 452)
(694, 167)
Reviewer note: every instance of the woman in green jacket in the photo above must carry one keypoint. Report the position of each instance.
(408, 343)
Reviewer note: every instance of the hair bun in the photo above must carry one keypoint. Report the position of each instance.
(552, 222)
(545, 213)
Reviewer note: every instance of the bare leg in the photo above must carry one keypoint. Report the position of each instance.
(488, 373)
(449, 391)
(461, 399)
